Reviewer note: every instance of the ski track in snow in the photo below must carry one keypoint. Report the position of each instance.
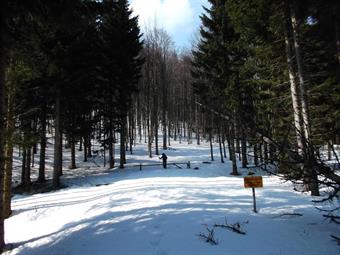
(162, 211)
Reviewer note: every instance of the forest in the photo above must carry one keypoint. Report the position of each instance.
(262, 81)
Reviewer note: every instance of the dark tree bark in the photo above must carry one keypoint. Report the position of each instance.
(84, 149)
(131, 131)
(337, 30)
(27, 176)
(149, 127)
(293, 85)
(41, 177)
(256, 157)
(221, 149)
(228, 142)
(310, 176)
(23, 165)
(122, 143)
(155, 122)
(169, 133)
(197, 125)
(244, 148)
(111, 146)
(3, 13)
(211, 145)
(73, 153)
(223, 143)
(57, 164)
(10, 125)
(89, 146)
(232, 150)
(164, 100)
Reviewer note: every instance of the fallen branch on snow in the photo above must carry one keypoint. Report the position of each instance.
(210, 238)
(233, 227)
(288, 214)
(333, 218)
(336, 239)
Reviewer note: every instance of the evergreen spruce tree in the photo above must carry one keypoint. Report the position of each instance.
(215, 66)
(122, 65)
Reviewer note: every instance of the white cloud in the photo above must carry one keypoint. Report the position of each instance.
(172, 15)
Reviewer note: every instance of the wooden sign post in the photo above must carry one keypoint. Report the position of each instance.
(253, 182)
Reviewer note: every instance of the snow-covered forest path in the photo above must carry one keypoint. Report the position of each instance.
(162, 211)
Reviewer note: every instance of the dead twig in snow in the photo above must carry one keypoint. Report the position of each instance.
(233, 227)
(332, 218)
(288, 214)
(336, 239)
(210, 238)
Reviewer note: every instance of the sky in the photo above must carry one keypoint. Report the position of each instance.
(180, 18)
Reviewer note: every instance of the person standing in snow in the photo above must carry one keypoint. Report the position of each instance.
(164, 157)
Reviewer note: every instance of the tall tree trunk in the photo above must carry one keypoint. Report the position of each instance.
(244, 148)
(228, 141)
(42, 158)
(197, 124)
(329, 150)
(3, 41)
(232, 150)
(122, 143)
(73, 153)
(89, 146)
(23, 165)
(8, 175)
(10, 125)
(61, 155)
(310, 176)
(238, 134)
(175, 129)
(223, 142)
(34, 151)
(111, 145)
(156, 139)
(131, 131)
(150, 136)
(337, 31)
(300, 72)
(271, 153)
(169, 133)
(114, 149)
(164, 133)
(256, 158)
(57, 165)
(211, 145)
(27, 176)
(155, 122)
(293, 86)
(164, 101)
(220, 144)
(84, 149)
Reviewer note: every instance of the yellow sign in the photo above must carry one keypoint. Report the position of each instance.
(253, 182)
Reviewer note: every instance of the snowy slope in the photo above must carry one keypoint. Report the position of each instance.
(162, 212)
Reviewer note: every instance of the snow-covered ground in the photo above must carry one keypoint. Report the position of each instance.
(160, 211)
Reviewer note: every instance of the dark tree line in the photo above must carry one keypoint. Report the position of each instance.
(68, 71)
(269, 71)
(165, 101)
